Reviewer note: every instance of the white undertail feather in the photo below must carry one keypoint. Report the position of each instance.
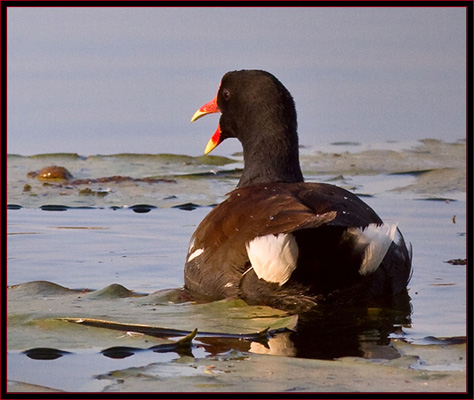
(376, 239)
(273, 257)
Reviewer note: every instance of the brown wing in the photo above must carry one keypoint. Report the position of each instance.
(260, 210)
(322, 198)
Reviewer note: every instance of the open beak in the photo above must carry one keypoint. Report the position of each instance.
(209, 108)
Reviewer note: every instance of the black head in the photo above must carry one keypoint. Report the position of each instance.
(254, 104)
(260, 112)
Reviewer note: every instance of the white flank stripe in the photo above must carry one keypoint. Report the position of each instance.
(378, 239)
(195, 254)
(273, 257)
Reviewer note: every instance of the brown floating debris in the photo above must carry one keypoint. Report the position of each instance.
(120, 178)
(89, 192)
(51, 173)
(457, 261)
(55, 173)
(156, 331)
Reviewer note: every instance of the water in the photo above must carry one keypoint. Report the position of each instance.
(100, 238)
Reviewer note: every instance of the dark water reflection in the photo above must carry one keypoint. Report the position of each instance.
(329, 332)
(333, 332)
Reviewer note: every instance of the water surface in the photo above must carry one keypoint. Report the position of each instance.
(109, 243)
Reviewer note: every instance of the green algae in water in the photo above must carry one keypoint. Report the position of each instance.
(427, 169)
(56, 156)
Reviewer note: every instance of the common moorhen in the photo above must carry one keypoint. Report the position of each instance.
(277, 240)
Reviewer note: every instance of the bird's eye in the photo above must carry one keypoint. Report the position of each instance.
(226, 94)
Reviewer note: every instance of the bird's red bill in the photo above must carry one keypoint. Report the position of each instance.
(209, 108)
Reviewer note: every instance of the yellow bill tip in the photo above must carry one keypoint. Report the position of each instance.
(213, 141)
(198, 114)
(211, 145)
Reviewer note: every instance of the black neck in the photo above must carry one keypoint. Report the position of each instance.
(271, 160)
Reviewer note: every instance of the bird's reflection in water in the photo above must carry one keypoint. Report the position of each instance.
(329, 332)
